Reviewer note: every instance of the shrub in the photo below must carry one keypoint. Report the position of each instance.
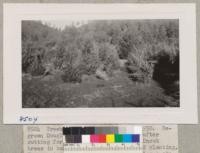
(89, 64)
(37, 39)
(108, 55)
(71, 74)
(138, 68)
(36, 68)
(32, 61)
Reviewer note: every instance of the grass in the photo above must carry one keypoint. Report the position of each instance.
(50, 91)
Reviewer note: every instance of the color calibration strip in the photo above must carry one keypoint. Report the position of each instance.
(101, 135)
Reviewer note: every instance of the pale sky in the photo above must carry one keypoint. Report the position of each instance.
(60, 24)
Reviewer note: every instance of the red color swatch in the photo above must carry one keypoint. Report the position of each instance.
(102, 138)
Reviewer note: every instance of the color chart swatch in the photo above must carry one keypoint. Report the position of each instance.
(101, 134)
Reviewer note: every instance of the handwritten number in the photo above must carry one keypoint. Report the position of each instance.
(28, 119)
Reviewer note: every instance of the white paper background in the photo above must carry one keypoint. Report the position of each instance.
(13, 15)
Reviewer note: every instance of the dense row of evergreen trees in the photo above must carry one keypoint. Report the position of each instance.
(81, 50)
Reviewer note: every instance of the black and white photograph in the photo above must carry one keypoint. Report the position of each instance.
(100, 63)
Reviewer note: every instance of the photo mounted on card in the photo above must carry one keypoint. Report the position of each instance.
(99, 63)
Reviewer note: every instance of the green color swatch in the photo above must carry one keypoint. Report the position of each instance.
(118, 138)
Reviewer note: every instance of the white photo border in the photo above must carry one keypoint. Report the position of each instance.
(12, 81)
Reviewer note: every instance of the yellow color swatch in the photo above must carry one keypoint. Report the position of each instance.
(110, 138)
